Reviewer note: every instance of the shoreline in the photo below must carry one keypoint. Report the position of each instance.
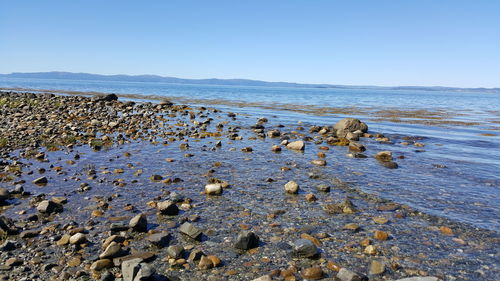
(166, 126)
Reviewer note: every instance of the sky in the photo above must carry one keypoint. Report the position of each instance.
(365, 42)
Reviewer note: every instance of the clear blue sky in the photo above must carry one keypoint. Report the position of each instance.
(424, 42)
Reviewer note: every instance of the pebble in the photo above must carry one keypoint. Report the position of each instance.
(348, 275)
(190, 230)
(291, 187)
(77, 238)
(312, 273)
(40, 181)
(213, 189)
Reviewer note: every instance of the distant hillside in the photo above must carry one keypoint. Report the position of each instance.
(214, 81)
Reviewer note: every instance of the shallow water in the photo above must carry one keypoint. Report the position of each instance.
(467, 190)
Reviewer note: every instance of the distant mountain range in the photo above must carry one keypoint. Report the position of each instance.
(214, 81)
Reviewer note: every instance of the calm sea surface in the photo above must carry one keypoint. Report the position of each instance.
(455, 175)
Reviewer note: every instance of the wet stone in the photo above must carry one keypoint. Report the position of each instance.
(376, 267)
(291, 187)
(40, 181)
(48, 207)
(160, 239)
(175, 251)
(348, 275)
(139, 223)
(323, 188)
(312, 273)
(190, 230)
(246, 240)
(304, 248)
(296, 145)
(168, 208)
(213, 189)
(78, 238)
(112, 251)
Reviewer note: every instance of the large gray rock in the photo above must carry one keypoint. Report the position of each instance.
(160, 239)
(349, 125)
(347, 275)
(304, 248)
(246, 240)
(296, 145)
(135, 270)
(190, 230)
(168, 208)
(175, 251)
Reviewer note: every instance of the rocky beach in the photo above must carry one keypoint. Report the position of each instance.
(98, 187)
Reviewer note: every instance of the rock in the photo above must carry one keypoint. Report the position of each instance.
(77, 238)
(370, 250)
(191, 231)
(29, 233)
(160, 239)
(101, 264)
(195, 255)
(107, 276)
(323, 188)
(291, 187)
(48, 207)
(347, 275)
(263, 278)
(351, 226)
(427, 278)
(296, 145)
(130, 268)
(349, 125)
(139, 223)
(64, 240)
(381, 235)
(304, 248)
(389, 164)
(384, 156)
(205, 263)
(312, 273)
(213, 189)
(246, 240)
(276, 148)
(215, 260)
(318, 162)
(4, 194)
(356, 147)
(311, 197)
(8, 245)
(112, 251)
(168, 208)
(146, 271)
(108, 97)
(13, 262)
(40, 181)
(345, 207)
(376, 267)
(175, 251)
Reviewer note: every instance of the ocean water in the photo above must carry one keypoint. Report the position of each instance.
(455, 175)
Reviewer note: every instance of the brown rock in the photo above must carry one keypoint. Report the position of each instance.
(312, 273)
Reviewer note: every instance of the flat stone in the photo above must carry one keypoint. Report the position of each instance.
(190, 230)
(130, 268)
(64, 240)
(246, 240)
(347, 275)
(323, 188)
(160, 239)
(318, 162)
(384, 156)
(168, 208)
(29, 233)
(304, 248)
(40, 181)
(427, 278)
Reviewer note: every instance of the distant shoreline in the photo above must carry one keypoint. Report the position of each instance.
(223, 82)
